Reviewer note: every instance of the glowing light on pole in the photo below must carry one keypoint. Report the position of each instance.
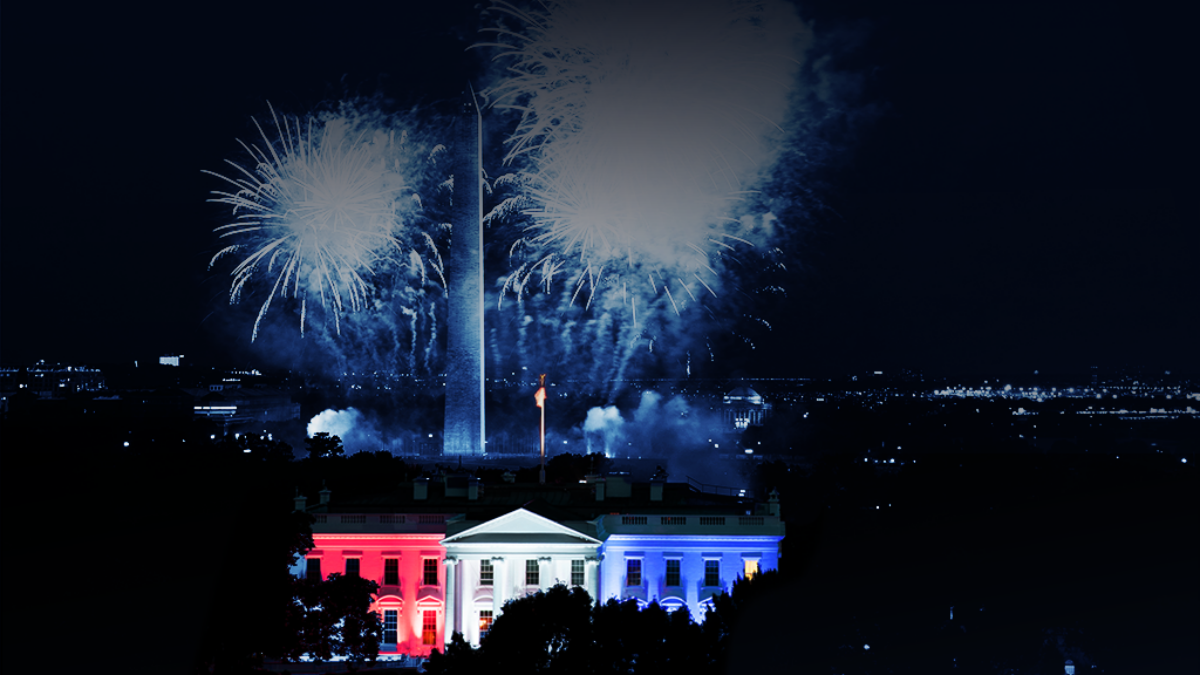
(323, 208)
(540, 397)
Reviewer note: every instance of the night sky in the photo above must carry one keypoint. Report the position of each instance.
(1005, 186)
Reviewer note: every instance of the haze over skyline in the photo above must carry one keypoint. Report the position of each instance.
(1001, 189)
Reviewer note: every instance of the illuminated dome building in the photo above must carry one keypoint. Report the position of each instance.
(744, 407)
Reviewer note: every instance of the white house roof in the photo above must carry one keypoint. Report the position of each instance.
(518, 527)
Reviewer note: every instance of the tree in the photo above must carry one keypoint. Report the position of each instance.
(650, 640)
(321, 445)
(460, 658)
(330, 617)
(252, 613)
(537, 633)
(562, 631)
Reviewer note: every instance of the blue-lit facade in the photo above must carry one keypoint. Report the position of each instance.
(643, 560)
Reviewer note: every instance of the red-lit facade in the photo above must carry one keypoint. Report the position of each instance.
(403, 584)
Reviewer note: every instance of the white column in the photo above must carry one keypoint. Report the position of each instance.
(593, 578)
(468, 583)
(499, 586)
(451, 601)
(545, 571)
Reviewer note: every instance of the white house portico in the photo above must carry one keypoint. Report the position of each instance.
(513, 555)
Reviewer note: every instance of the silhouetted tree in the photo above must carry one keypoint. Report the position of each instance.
(321, 445)
(460, 658)
(536, 633)
(252, 613)
(649, 640)
(562, 631)
(330, 617)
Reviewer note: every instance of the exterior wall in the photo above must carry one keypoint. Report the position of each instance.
(458, 598)
(692, 552)
(508, 571)
(411, 597)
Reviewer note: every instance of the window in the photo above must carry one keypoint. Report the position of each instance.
(751, 568)
(712, 572)
(485, 622)
(431, 575)
(391, 572)
(673, 573)
(487, 573)
(633, 572)
(532, 573)
(389, 626)
(314, 569)
(577, 573)
(352, 567)
(429, 627)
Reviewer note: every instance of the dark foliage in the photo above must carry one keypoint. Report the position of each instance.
(330, 618)
(562, 631)
(321, 445)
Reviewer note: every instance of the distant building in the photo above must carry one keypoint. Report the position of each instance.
(170, 360)
(51, 380)
(448, 552)
(234, 404)
(743, 407)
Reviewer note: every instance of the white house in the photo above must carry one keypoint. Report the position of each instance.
(449, 552)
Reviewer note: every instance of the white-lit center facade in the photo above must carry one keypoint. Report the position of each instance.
(678, 560)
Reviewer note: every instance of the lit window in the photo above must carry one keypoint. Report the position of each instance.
(532, 576)
(576, 572)
(389, 626)
(633, 572)
(352, 567)
(314, 569)
(486, 573)
(673, 573)
(712, 572)
(751, 568)
(429, 627)
(391, 572)
(431, 572)
(485, 622)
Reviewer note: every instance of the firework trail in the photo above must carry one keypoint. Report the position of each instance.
(644, 124)
(323, 208)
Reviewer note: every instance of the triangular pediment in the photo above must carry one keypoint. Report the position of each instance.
(520, 527)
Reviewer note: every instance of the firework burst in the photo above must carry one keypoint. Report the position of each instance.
(322, 209)
(644, 127)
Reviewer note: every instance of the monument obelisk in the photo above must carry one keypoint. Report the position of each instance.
(463, 433)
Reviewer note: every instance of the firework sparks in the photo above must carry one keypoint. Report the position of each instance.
(323, 209)
(643, 125)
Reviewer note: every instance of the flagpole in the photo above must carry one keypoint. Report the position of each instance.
(541, 398)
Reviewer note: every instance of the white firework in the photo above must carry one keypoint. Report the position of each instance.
(322, 210)
(643, 124)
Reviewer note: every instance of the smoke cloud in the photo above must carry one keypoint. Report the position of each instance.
(684, 436)
(360, 432)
